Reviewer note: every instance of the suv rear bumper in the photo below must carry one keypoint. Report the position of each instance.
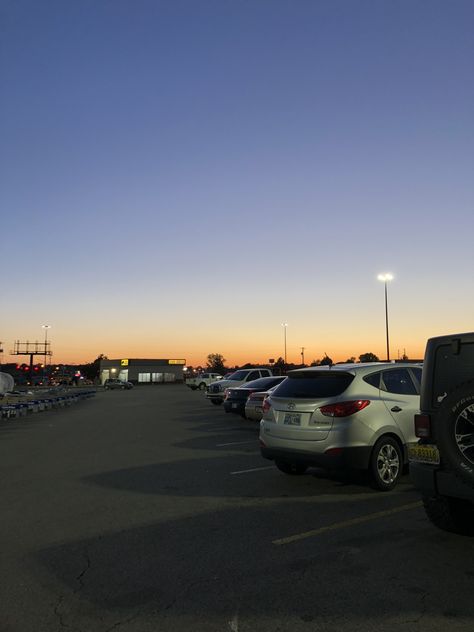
(432, 481)
(350, 458)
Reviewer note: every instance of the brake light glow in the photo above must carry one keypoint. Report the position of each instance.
(266, 406)
(344, 409)
(422, 426)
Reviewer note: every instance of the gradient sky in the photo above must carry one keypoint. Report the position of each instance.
(179, 177)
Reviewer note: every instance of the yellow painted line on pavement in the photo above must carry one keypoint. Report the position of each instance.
(347, 523)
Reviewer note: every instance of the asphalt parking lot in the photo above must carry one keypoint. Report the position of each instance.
(151, 509)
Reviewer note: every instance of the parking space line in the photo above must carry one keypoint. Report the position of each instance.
(223, 445)
(255, 469)
(347, 523)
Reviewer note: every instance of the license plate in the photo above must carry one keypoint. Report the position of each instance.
(234, 405)
(292, 419)
(258, 409)
(423, 454)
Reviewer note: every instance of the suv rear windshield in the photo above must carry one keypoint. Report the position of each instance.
(314, 385)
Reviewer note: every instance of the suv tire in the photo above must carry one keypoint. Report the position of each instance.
(386, 463)
(450, 514)
(455, 431)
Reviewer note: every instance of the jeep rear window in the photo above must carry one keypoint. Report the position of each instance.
(314, 385)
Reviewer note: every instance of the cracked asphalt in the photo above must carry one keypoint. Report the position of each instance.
(151, 510)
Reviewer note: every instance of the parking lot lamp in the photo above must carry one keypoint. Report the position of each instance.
(386, 278)
(284, 325)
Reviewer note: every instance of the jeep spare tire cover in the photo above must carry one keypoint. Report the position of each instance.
(455, 431)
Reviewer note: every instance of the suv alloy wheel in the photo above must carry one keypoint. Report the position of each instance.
(386, 463)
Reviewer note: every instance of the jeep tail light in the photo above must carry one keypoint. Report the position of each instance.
(422, 426)
(344, 409)
(226, 393)
(266, 406)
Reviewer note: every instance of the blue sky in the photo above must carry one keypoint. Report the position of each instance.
(178, 178)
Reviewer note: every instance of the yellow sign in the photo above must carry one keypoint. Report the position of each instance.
(176, 361)
(123, 362)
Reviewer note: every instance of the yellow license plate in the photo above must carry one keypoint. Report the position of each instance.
(423, 454)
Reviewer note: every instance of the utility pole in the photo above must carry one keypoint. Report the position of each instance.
(302, 355)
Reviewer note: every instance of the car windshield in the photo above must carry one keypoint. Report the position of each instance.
(314, 384)
(264, 383)
(238, 376)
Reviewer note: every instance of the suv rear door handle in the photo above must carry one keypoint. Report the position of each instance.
(396, 409)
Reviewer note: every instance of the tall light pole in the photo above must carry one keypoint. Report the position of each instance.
(284, 325)
(45, 327)
(385, 278)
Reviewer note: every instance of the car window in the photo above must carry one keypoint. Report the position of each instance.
(398, 381)
(317, 384)
(373, 379)
(253, 375)
(205, 376)
(417, 373)
(238, 376)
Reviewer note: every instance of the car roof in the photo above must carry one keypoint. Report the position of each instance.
(355, 367)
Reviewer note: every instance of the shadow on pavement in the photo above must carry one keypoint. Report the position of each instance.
(215, 477)
(215, 564)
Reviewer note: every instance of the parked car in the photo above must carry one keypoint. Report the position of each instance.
(254, 404)
(442, 463)
(344, 416)
(236, 398)
(215, 392)
(203, 380)
(112, 383)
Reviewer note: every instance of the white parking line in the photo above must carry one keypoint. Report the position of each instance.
(255, 469)
(222, 445)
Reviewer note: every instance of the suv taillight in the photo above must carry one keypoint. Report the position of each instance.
(422, 426)
(266, 405)
(344, 409)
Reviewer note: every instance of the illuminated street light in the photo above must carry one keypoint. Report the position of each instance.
(284, 325)
(385, 278)
(46, 327)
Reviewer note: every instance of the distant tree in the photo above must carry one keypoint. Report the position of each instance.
(368, 357)
(279, 366)
(91, 370)
(350, 360)
(215, 363)
(326, 361)
(315, 363)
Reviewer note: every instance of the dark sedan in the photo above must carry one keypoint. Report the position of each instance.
(236, 398)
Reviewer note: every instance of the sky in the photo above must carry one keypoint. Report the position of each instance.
(181, 177)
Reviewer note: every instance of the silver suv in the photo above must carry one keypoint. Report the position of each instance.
(216, 391)
(345, 416)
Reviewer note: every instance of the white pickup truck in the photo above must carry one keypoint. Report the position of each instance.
(203, 380)
(216, 392)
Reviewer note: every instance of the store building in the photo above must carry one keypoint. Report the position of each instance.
(143, 371)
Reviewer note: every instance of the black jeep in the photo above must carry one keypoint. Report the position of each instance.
(442, 463)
